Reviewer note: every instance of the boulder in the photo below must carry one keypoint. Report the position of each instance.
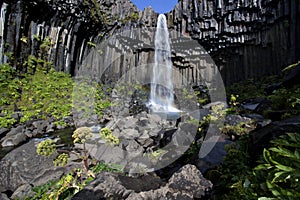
(41, 125)
(236, 119)
(3, 196)
(261, 137)
(23, 166)
(215, 156)
(22, 191)
(186, 183)
(14, 137)
(292, 76)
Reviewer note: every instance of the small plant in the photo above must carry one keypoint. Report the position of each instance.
(238, 129)
(106, 134)
(76, 180)
(82, 134)
(46, 148)
(24, 39)
(91, 44)
(61, 160)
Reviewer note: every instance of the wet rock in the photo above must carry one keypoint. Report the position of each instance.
(257, 105)
(50, 128)
(41, 125)
(23, 166)
(215, 156)
(3, 132)
(261, 137)
(14, 137)
(292, 76)
(236, 119)
(3, 196)
(259, 120)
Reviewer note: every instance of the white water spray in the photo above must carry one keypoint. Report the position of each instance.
(161, 96)
(2, 27)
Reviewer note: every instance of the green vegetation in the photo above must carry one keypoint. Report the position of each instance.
(106, 134)
(282, 100)
(39, 93)
(77, 179)
(46, 148)
(286, 100)
(43, 93)
(276, 177)
(37, 96)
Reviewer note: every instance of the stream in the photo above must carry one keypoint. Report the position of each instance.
(64, 135)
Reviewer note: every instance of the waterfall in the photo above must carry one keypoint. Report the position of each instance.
(2, 27)
(161, 95)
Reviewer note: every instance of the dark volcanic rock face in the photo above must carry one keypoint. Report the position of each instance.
(246, 39)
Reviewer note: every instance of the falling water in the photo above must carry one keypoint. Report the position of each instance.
(161, 96)
(2, 27)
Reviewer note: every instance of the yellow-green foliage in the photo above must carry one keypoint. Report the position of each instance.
(38, 96)
(288, 68)
(82, 134)
(46, 148)
(61, 160)
(106, 134)
(46, 95)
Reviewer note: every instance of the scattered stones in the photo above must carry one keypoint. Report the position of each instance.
(141, 140)
(41, 125)
(187, 183)
(17, 135)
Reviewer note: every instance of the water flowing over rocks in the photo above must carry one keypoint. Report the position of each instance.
(31, 129)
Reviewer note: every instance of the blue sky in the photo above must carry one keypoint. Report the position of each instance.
(160, 6)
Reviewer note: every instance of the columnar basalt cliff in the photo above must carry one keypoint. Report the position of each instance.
(70, 25)
(246, 38)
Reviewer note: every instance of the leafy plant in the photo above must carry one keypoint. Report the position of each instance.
(276, 177)
(287, 100)
(281, 167)
(46, 95)
(40, 93)
(238, 129)
(46, 148)
(76, 180)
(106, 134)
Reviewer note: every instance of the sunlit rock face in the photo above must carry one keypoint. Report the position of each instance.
(246, 39)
